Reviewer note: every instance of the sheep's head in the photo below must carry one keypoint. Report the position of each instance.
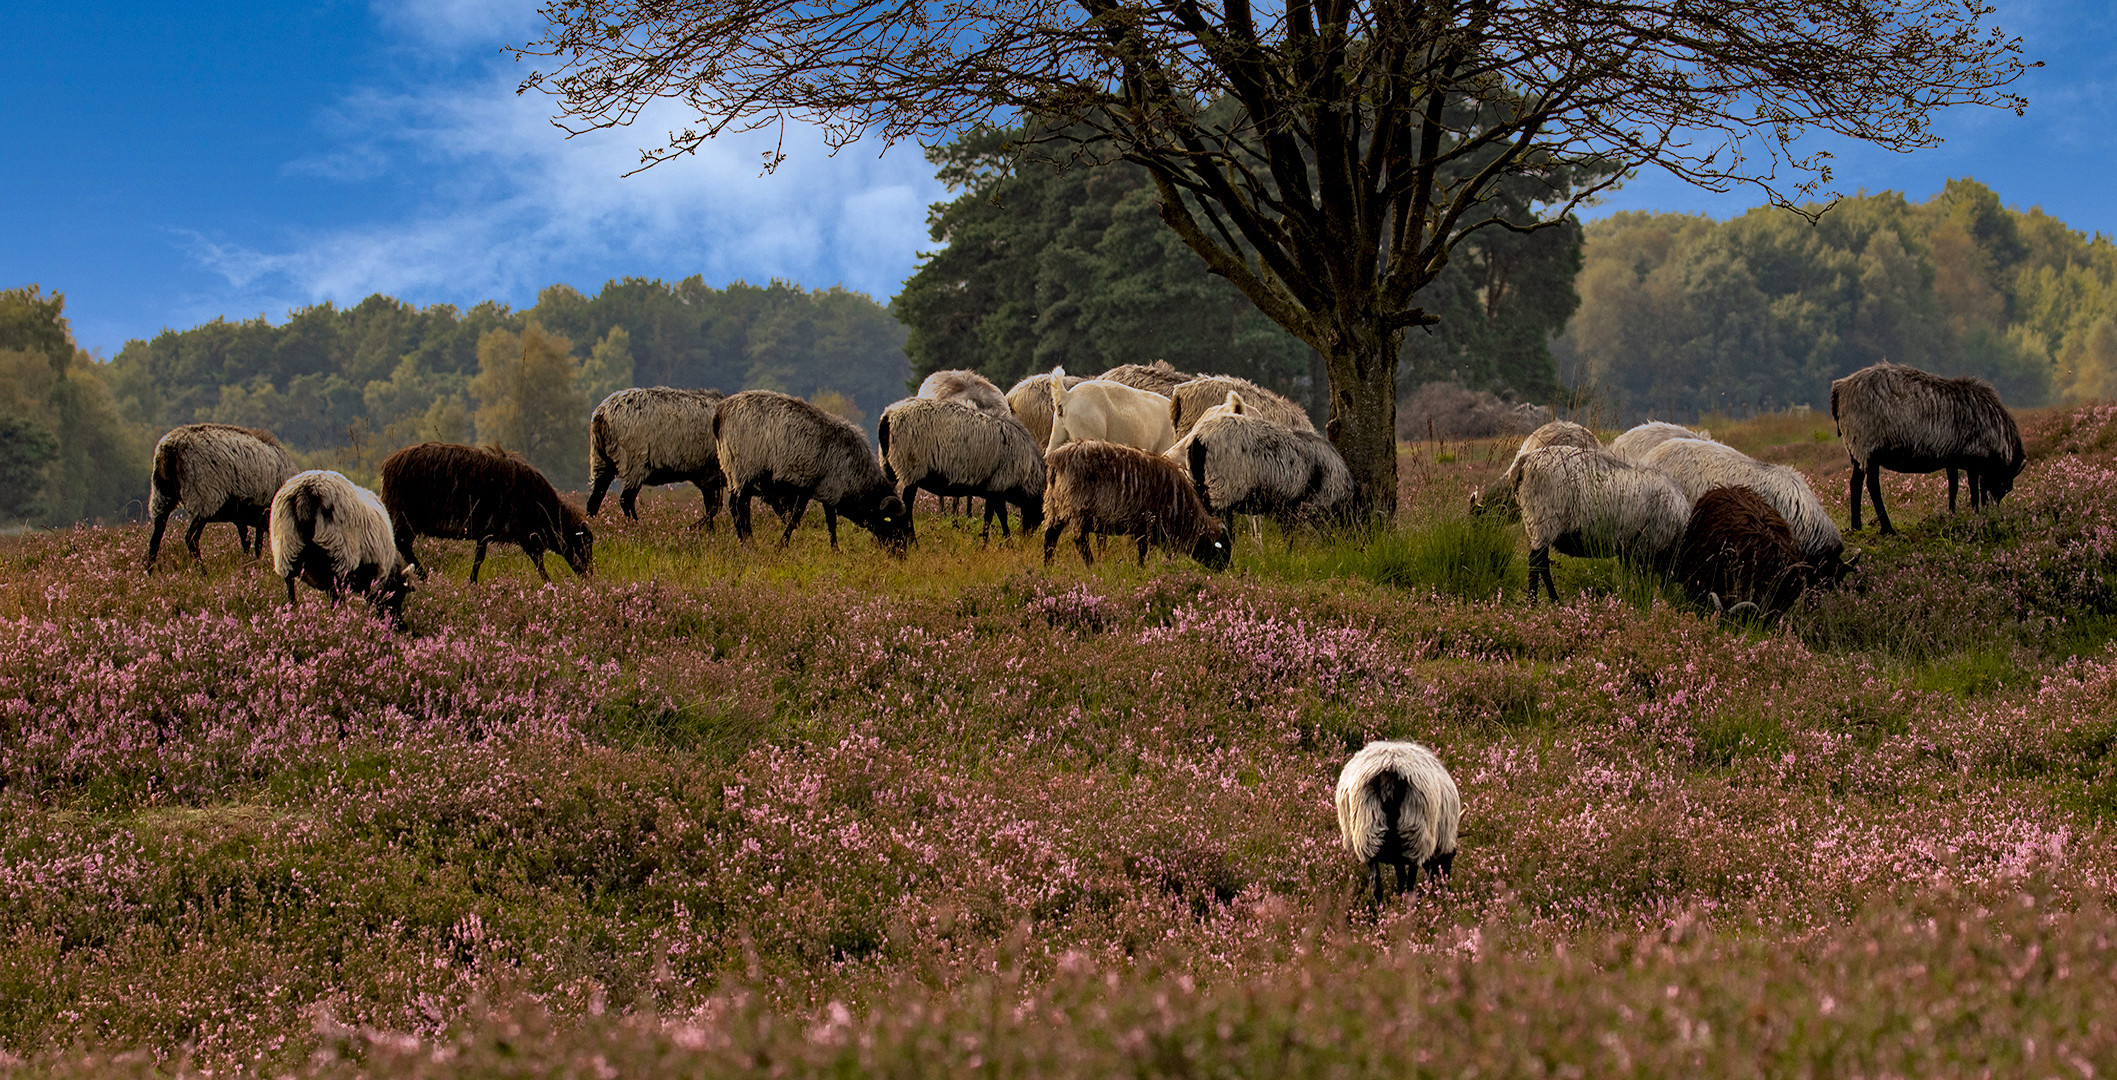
(1212, 549)
(1998, 483)
(891, 525)
(577, 546)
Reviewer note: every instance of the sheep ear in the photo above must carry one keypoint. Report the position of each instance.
(1234, 403)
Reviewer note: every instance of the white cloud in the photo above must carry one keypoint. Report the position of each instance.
(504, 204)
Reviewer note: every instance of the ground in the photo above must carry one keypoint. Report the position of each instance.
(719, 810)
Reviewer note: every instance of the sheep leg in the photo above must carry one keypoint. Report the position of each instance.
(1083, 539)
(985, 537)
(290, 590)
(628, 501)
(1407, 877)
(1376, 866)
(910, 498)
(402, 527)
(1977, 490)
(711, 494)
(801, 506)
(191, 535)
(154, 540)
(536, 556)
(739, 512)
(598, 486)
(830, 524)
(1540, 568)
(242, 537)
(1858, 477)
(1952, 478)
(1051, 538)
(1874, 495)
(478, 561)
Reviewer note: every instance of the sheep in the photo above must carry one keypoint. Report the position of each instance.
(1107, 412)
(1103, 488)
(1589, 503)
(1700, 465)
(218, 472)
(1634, 444)
(1244, 465)
(1499, 502)
(1906, 420)
(1030, 401)
(655, 435)
(968, 388)
(780, 447)
(1398, 805)
(1157, 376)
(950, 448)
(1738, 551)
(1189, 401)
(485, 494)
(335, 535)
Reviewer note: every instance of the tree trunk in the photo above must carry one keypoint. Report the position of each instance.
(1363, 413)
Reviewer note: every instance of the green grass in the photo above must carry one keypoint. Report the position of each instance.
(1456, 556)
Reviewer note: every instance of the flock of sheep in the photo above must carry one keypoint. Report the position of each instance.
(1141, 451)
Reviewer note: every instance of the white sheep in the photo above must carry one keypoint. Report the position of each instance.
(1246, 465)
(1107, 412)
(966, 387)
(1190, 401)
(1906, 420)
(951, 448)
(1700, 465)
(1398, 805)
(1030, 402)
(1634, 444)
(1587, 503)
(655, 435)
(1499, 501)
(336, 535)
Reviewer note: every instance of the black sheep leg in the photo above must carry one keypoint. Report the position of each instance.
(800, 507)
(1376, 866)
(1953, 477)
(739, 512)
(191, 535)
(1051, 538)
(1859, 476)
(830, 524)
(154, 540)
(1874, 494)
(477, 562)
(1540, 568)
(1142, 551)
(628, 501)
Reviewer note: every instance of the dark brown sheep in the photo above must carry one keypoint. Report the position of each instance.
(1103, 488)
(1910, 421)
(484, 494)
(1737, 549)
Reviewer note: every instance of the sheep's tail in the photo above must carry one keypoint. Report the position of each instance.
(889, 472)
(167, 485)
(1058, 388)
(600, 464)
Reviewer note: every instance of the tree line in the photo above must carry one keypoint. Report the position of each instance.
(1683, 315)
(343, 387)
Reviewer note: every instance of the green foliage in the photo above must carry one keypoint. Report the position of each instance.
(68, 454)
(530, 400)
(1071, 264)
(350, 384)
(1682, 315)
(25, 447)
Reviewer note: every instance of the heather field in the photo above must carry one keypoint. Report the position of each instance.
(808, 813)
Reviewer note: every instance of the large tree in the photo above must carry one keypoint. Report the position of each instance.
(1325, 157)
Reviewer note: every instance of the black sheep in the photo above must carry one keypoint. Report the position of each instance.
(484, 494)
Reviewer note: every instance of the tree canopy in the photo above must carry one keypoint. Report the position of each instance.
(1326, 159)
(1683, 315)
(1040, 266)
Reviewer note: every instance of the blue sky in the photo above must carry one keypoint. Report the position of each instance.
(175, 161)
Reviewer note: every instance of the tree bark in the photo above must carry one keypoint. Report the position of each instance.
(1362, 359)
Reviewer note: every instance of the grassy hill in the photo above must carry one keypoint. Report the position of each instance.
(724, 811)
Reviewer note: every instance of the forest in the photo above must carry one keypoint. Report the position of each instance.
(1681, 315)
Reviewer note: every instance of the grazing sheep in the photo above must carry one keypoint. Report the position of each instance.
(788, 451)
(1107, 412)
(1587, 503)
(1030, 401)
(1737, 550)
(967, 388)
(655, 435)
(1103, 488)
(1634, 444)
(1398, 805)
(1499, 501)
(1700, 465)
(1189, 401)
(1909, 421)
(485, 494)
(1244, 465)
(1157, 376)
(335, 535)
(218, 472)
(950, 448)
